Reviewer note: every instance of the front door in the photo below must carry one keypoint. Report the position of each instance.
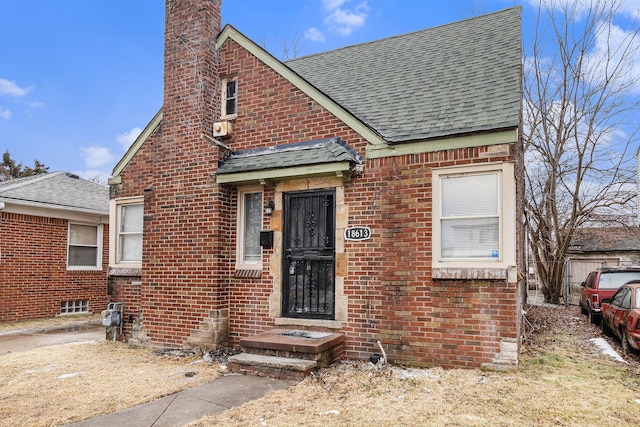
(309, 255)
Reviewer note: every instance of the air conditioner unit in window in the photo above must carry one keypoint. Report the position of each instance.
(221, 129)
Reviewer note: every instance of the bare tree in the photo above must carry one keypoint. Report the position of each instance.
(291, 47)
(580, 128)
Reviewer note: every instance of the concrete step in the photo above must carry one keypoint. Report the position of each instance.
(283, 368)
(322, 347)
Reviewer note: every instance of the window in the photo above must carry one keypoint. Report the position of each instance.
(619, 298)
(229, 97)
(126, 232)
(248, 250)
(469, 216)
(74, 306)
(84, 251)
(474, 216)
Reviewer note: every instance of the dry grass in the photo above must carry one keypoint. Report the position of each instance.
(563, 380)
(71, 382)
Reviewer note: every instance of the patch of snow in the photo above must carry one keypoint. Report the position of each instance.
(606, 348)
(408, 373)
(314, 335)
(71, 375)
(330, 412)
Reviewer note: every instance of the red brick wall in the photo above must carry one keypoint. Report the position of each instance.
(34, 276)
(392, 297)
(190, 220)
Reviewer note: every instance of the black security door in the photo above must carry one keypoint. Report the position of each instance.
(309, 249)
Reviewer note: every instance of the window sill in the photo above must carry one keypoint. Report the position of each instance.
(478, 273)
(248, 273)
(125, 271)
(69, 268)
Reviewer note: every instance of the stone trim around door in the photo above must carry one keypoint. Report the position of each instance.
(342, 222)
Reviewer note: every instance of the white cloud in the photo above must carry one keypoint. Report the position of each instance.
(630, 8)
(94, 156)
(618, 48)
(344, 20)
(314, 35)
(127, 138)
(10, 88)
(5, 113)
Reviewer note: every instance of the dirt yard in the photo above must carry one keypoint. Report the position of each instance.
(563, 380)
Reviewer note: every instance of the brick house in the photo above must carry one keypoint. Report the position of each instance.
(53, 246)
(373, 192)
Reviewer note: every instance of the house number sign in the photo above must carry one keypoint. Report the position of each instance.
(357, 233)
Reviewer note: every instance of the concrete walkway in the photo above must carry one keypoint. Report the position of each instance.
(191, 404)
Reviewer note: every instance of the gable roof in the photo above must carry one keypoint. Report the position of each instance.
(453, 86)
(57, 190)
(606, 239)
(454, 79)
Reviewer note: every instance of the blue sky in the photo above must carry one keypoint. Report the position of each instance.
(79, 79)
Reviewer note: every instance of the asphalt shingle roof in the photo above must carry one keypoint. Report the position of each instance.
(454, 79)
(57, 190)
(606, 239)
(327, 150)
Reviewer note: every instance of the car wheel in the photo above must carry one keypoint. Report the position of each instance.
(582, 309)
(593, 318)
(605, 328)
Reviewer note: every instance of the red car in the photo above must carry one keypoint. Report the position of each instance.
(621, 316)
(603, 283)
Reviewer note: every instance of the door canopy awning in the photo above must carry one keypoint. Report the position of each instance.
(323, 157)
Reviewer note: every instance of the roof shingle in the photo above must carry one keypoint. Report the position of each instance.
(454, 79)
(320, 151)
(57, 190)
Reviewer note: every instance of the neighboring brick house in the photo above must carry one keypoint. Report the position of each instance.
(373, 190)
(53, 246)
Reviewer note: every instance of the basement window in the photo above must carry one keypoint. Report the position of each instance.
(74, 306)
(229, 97)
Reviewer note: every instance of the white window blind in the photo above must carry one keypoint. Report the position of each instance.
(252, 224)
(130, 233)
(83, 246)
(470, 219)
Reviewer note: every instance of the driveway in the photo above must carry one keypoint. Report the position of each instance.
(27, 339)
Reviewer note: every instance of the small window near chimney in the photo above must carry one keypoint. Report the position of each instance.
(229, 97)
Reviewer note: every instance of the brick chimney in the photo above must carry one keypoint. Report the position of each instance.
(191, 81)
(184, 208)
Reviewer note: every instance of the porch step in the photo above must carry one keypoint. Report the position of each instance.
(282, 368)
(286, 353)
(323, 347)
